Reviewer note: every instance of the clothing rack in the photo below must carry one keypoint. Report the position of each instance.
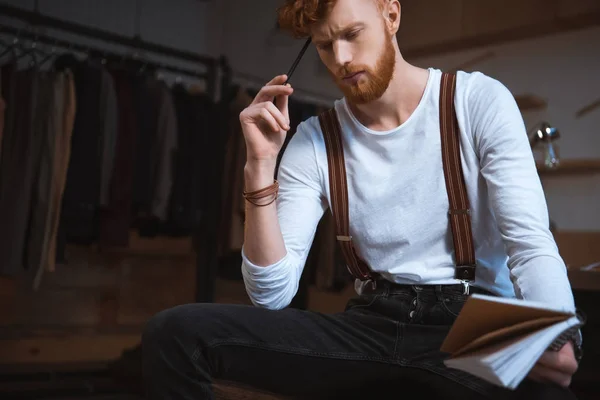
(38, 20)
(96, 51)
(215, 74)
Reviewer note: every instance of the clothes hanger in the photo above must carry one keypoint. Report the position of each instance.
(143, 66)
(13, 48)
(159, 74)
(197, 87)
(49, 55)
(3, 43)
(32, 53)
(66, 60)
(6, 46)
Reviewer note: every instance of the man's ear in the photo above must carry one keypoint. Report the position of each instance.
(392, 13)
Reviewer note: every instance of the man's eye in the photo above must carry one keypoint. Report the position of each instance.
(351, 35)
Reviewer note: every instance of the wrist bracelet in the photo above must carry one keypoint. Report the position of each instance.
(271, 190)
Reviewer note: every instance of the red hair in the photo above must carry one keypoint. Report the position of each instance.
(297, 16)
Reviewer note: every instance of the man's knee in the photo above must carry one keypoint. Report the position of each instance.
(165, 331)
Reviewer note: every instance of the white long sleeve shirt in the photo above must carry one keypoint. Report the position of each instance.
(398, 204)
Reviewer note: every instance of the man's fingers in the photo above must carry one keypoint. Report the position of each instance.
(266, 114)
(276, 112)
(540, 373)
(563, 360)
(267, 93)
(535, 375)
(555, 367)
(272, 117)
(282, 103)
(278, 80)
(270, 120)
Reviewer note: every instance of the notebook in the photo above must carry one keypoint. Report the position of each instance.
(500, 339)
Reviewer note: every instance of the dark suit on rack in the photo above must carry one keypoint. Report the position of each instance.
(17, 164)
(116, 219)
(79, 218)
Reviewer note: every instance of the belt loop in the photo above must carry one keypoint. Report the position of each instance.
(439, 292)
(386, 290)
(373, 284)
(369, 286)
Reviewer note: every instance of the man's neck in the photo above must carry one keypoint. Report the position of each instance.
(399, 101)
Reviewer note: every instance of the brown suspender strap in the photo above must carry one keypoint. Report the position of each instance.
(459, 211)
(338, 189)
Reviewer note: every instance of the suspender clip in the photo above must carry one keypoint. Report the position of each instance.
(465, 287)
(465, 273)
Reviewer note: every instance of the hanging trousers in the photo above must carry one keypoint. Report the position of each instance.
(385, 344)
(19, 149)
(42, 173)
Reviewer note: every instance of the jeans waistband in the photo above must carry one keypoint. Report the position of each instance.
(381, 285)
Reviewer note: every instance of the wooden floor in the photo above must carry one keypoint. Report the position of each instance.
(93, 382)
(60, 382)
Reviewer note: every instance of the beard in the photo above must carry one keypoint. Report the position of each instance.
(375, 81)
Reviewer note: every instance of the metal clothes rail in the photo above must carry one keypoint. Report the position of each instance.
(36, 19)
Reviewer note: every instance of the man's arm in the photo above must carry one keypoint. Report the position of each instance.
(278, 237)
(516, 194)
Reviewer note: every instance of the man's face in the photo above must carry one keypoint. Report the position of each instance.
(356, 49)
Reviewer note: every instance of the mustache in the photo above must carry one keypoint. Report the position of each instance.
(350, 70)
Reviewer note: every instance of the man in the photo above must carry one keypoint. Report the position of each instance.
(388, 338)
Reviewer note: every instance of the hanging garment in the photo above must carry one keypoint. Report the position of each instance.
(165, 149)
(108, 132)
(81, 199)
(2, 108)
(200, 131)
(45, 126)
(17, 162)
(146, 103)
(8, 77)
(64, 109)
(215, 128)
(181, 201)
(115, 221)
(156, 146)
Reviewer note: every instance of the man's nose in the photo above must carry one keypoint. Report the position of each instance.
(343, 55)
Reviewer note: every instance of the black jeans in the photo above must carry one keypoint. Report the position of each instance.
(384, 344)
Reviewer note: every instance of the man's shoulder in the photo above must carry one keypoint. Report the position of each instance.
(476, 85)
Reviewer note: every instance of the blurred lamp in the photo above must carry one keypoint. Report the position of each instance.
(542, 136)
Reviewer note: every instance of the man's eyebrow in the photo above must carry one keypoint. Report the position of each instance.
(340, 31)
